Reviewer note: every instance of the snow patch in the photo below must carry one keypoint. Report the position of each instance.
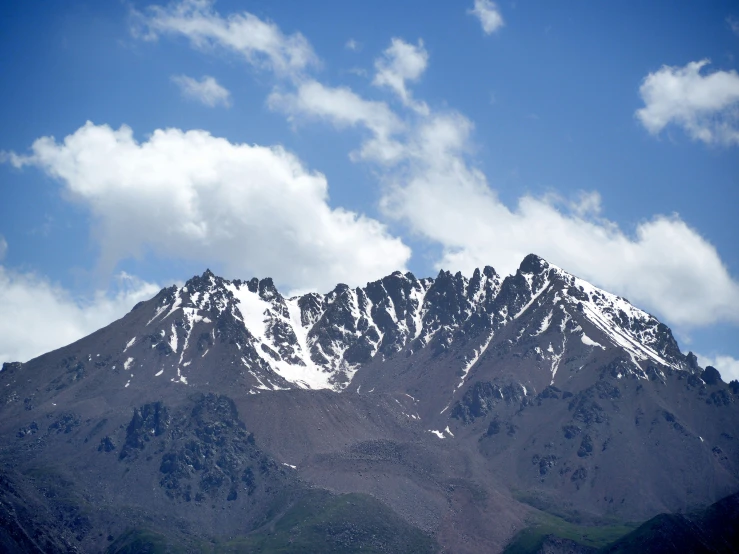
(160, 311)
(475, 356)
(175, 305)
(590, 342)
(252, 310)
(173, 339)
(534, 296)
(557, 358)
(417, 298)
(544, 324)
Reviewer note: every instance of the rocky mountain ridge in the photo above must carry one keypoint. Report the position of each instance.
(457, 408)
(321, 340)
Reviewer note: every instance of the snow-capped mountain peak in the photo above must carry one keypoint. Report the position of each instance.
(321, 340)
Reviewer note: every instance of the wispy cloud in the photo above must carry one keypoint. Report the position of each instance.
(206, 91)
(358, 71)
(260, 42)
(352, 45)
(733, 24)
(344, 108)
(39, 316)
(488, 14)
(706, 106)
(402, 62)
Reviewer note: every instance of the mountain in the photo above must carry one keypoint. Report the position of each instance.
(710, 530)
(456, 409)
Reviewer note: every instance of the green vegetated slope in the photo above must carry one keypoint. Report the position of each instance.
(318, 522)
(144, 541)
(711, 530)
(551, 530)
(715, 529)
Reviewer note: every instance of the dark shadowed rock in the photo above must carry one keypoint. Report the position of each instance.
(711, 376)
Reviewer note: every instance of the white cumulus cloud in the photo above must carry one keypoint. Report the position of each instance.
(344, 108)
(431, 186)
(260, 42)
(206, 90)
(663, 266)
(39, 316)
(3, 247)
(400, 63)
(706, 106)
(190, 195)
(488, 14)
(727, 366)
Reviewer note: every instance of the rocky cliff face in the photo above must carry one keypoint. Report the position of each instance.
(447, 399)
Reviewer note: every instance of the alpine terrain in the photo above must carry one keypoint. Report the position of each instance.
(533, 413)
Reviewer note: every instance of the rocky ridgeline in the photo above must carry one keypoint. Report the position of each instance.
(321, 340)
(455, 393)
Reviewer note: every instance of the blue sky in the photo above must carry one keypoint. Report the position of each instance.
(339, 140)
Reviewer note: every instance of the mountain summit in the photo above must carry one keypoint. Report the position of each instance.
(318, 341)
(461, 405)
